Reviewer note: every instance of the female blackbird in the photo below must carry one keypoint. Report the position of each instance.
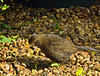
(54, 47)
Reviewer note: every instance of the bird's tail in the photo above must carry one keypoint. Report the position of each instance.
(86, 48)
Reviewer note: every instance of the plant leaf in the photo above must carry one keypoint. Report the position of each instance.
(2, 1)
(54, 65)
(5, 25)
(1, 47)
(36, 66)
(57, 25)
(94, 53)
(26, 24)
(79, 71)
(5, 39)
(4, 7)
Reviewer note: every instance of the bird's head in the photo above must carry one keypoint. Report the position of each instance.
(36, 39)
(33, 39)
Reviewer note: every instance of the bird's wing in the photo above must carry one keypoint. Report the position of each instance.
(59, 56)
(61, 44)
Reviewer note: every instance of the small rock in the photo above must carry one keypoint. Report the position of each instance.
(45, 69)
(62, 9)
(50, 74)
(40, 71)
(51, 20)
(44, 17)
(56, 71)
(57, 10)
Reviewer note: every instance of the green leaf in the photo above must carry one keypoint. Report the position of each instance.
(36, 66)
(5, 25)
(94, 53)
(1, 47)
(26, 24)
(14, 37)
(4, 7)
(2, 1)
(57, 25)
(54, 65)
(79, 71)
(5, 39)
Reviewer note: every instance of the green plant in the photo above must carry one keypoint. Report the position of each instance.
(36, 66)
(57, 25)
(4, 7)
(5, 25)
(5, 39)
(26, 24)
(14, 37)
(94, 53)
(1, 47)
(80, 72)
(35, 20)
(54, 65)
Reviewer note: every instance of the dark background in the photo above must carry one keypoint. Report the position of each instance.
(57, 3)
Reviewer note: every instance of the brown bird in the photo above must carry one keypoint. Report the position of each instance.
(54, 47)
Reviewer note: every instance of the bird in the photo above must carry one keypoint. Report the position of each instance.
(56, 48)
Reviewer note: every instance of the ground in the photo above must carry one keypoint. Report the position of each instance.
(79, 24)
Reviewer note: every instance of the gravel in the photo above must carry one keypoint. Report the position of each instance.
(79, 24)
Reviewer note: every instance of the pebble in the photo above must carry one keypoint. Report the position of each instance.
(82, 25)
(68, 69)
(46, 70)
(44, 17)
(62, 9)
(56, 71)
(50, 74)
(40, 71)
(51, 20)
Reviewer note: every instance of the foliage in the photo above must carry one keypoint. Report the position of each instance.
(1, 47)
(5, 25)
(4, 7)
(80, 72)
(54, 65)
(57, 25)
(2, 1)
(94, 53)
(14, 37)
(5, 39)
(36, 66)
(26, 23)
(35, 20)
